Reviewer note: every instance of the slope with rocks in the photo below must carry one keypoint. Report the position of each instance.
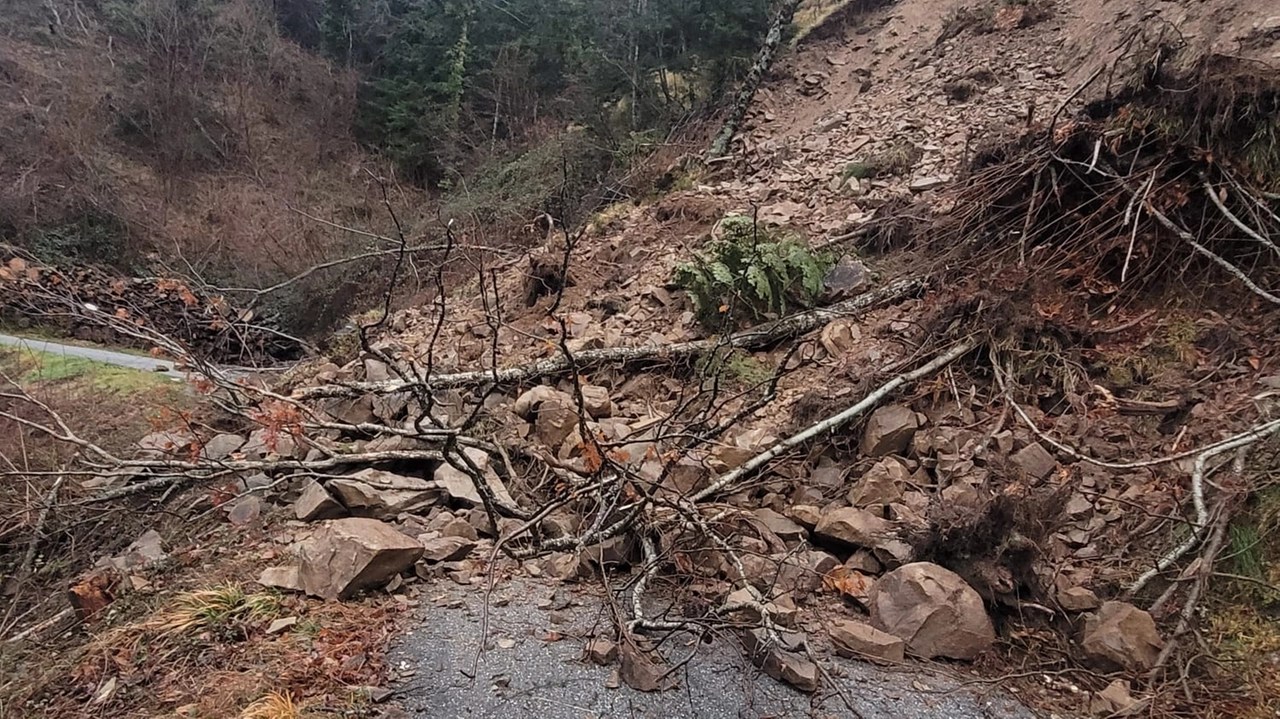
(1029, 458)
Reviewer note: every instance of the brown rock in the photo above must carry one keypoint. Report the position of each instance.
(460, 528)
(787, 530)
(800, 573)
(166, 445)
(553, 413)
(602, 651)
(882, 484)
(378, 494)
(351, 410)
(345, 556)
(1115, 701)
(1121, 636)
(854, 527)
(779, 664)
(863, 641)
(263, 442)
(889, 430)
(221, 446)
(244, 510)
(845, 279)
(806, 515)
(315, 503)
(595, 400)
(863, 561)
(1035, 460)
(281, 578)
(93, 593)
(933, 611)
(446, 549)
(1078, 599)
(459, 487)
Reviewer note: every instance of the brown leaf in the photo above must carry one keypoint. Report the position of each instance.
(640, 672)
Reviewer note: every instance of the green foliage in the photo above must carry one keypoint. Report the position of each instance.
(750, 273)
(441, 79)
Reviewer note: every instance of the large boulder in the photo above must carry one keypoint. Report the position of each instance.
(377, 493)
(889, 430)
(345, 556)
(1121, 636)
(933, 610)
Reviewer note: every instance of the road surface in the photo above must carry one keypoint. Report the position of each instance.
(523, 675)
(120, 359)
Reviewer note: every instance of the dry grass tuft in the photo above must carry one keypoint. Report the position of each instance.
(275, 705)
(213, 609)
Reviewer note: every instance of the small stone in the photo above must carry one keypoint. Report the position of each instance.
(1121, 636)
(446, 549)
(1035, 460)
(602, 651)
(845, 279)
(779, 664)
(924, 184)
(863, 641)
(854, 527)
(281, 578)
(221, 446)
(315, 503)
(1115, 701)
(889, 431)
(1078, 599)
(244, 510)
(281, 624)
(880, 485)
(787, 530)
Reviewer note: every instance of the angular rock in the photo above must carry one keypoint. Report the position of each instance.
(281, 624)
(281, 578)
(799, 573)
(1078, 599)
(143, 552)
(854, 527)
(889, 430)
(553, 413)
(345, 556)
(221, 446)
(780, 664)
(924, 184)
(787, 530)
(863, 561)
(882, 484)
(446, 549)
(351, 410)
(165, 445)
(379, 494)
(462, 529)
(315, 503)
(845, 279)
(1121, 636)
(596, 401)
(459, 487)
(806, 515)
(1035, 460)
(933, 610)
(1115, 701)
(263, 442)
(244, 510)
(602, 651)
(862, 641)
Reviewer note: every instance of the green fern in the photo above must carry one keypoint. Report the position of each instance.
(750, 274)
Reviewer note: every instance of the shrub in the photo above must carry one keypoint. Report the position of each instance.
(750, 273)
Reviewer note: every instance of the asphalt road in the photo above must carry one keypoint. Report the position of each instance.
(105, 356)
(523, 675)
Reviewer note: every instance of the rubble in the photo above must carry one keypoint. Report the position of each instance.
(315, 503)
(380, 494)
